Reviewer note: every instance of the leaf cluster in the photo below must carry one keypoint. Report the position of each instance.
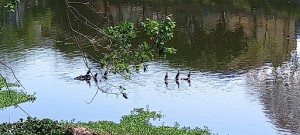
(10, 5)
(32, 126)
(9, 97)
(12, 98)
(122, 34)
(124, 54)
(160, 33)
(4, 84)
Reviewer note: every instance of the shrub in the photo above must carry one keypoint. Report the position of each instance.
(32, 126)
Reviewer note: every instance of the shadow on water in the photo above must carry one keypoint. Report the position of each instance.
(243, 57)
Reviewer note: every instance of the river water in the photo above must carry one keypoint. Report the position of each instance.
(243, 56)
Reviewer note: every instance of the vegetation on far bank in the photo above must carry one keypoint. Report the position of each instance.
(136, 123)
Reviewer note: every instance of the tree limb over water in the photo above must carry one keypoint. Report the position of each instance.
(14, 96)
(114, 47)
(13, 73)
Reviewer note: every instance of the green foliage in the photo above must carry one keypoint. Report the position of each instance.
(10, 5)
(143, 53)
(120, 56)
(170, 50)
(10, 97)
(138, 122)
(32, 126)
(4, 84)
(160, 33)
(122, 34)
(139, 117)
(123, 55)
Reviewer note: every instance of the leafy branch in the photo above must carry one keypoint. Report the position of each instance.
(11, 4)
(9, 97)
(116, 48)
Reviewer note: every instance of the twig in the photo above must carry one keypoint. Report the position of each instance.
(13, 74)
(10, 96)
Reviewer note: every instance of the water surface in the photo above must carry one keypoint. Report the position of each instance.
(243, 58)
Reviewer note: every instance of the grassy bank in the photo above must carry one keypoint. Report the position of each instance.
(135, 123)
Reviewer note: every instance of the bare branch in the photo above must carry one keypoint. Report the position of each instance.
(10, 96)
(19, 83)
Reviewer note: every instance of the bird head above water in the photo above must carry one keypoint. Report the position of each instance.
(95, 76)
(189, 75)
(177, 76)
(105, 73)
(88, 72)
(166, 76)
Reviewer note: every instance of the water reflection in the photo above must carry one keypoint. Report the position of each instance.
(231, 48)
(277, 88)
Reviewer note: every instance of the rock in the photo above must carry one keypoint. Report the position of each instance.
(77, 130)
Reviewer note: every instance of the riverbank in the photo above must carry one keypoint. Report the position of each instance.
(137, 122)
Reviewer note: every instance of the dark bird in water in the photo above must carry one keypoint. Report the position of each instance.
(85, 77)
(95, 77)
(188, 78)
(177, 76)
(145, 68)
(166, 83)
(177, 82)
(88, 82)
(124, 95)
(166, 76)
(121, 88)
(88, 72)
(105, 75)
(166, 79)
